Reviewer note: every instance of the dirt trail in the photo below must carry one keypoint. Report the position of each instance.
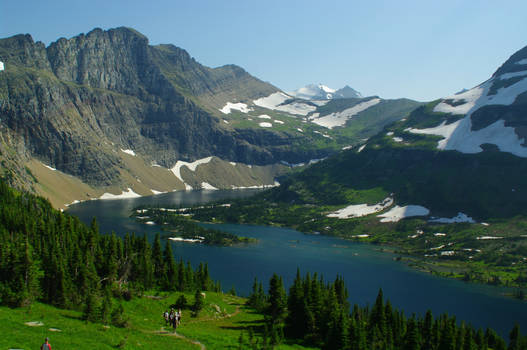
(163, 331)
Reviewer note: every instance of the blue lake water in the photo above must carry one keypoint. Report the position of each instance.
(364, 267)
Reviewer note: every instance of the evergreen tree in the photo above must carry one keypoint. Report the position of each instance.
(468, 343)
(277, 300)
(169, 268)
(447, 337)
(158, 261)
(515, 338)
(198, 302)
(411, 338)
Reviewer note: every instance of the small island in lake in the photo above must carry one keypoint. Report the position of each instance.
(181, 227)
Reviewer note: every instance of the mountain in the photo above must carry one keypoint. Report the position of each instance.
(465, 153)
(76, 104)
(105, 112)
(322, 92)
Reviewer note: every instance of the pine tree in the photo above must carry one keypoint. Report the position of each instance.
(277, 300)
(198, 302)
(468, 343)
(295, 321)
(158, 261)
(447, 337)
(169, 268)
(411, 338)
(515, 338)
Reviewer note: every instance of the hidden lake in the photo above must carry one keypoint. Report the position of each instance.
(365, 268)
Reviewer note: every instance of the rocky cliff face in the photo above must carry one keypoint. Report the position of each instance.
(76, 103)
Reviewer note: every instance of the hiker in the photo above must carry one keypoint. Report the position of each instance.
(179, 315)
(165, 316)
(46, 345)
(173, 322)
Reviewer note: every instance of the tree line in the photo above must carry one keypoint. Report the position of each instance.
(317, 313)
(53, 257)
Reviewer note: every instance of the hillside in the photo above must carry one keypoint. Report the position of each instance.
(83, 105)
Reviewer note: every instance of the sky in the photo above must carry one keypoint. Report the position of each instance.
(418, 49)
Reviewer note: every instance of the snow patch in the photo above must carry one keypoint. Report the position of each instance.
(489, 237)
(461, 217)
(242, 107)
(207, 186)
(459, 136)
(276, 184)
(278, 122)
(299, 130)
(335, 119)
(275, 102)
(176, 169)
(157, 192)
(128, 151)
(361, 148)
(1, 66)
(129, 193)
(263, 116)
(447, 253)
(397, 139)
(397, 213)
(188, 240)
(358, 210)
(265, 125)
(49, 167)
(389, 133)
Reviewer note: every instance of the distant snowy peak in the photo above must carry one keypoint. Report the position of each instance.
(323, 92)
(347, 92)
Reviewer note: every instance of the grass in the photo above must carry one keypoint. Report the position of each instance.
(218, 326)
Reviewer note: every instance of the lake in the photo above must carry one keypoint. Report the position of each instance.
(364, 267)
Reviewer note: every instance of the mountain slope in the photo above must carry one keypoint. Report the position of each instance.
(465, 153)
(83, 105)
(75, 104)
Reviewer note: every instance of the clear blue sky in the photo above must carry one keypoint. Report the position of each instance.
(418, 49)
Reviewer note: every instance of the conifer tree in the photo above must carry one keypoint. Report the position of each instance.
(515, 338)
(447, 337)
(169, 268)
(198, 302)
(277, 300)
(411, 338)
(158, 260)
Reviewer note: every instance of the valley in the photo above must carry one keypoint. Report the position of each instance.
(133, 177)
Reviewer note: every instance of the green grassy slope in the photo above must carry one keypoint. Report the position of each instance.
(218, 326)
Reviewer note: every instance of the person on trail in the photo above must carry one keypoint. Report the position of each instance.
(173, 321)
(46, 345)
(165, 316)
(179, 316)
